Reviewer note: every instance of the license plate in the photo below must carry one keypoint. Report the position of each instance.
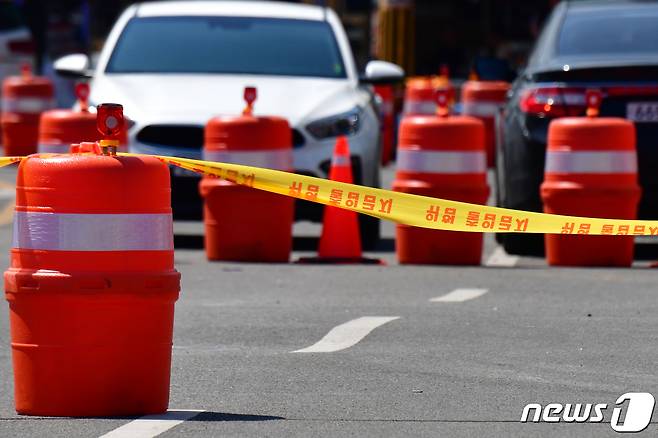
(642, 112)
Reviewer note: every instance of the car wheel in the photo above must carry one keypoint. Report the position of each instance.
(524, 244)
(499, 170)
(499, 182)
(186, 201)
(369, 226)
(513, 243)
(370, 232)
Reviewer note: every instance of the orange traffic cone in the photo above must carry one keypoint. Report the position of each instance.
(341, 240)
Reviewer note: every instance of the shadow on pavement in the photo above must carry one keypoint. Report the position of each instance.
(224, 416)
(170, 415)
(190, 241)
(311, 244)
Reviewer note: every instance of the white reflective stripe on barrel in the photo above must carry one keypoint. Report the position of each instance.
(413, 160)
(30, 105)
(340, 160)
(481, 109)
(591, 162)
(54, 148)
(419, 107)
(279, 159)
(92, 232)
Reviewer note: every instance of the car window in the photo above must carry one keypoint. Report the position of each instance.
(10, 16)
(234, 45)
(609, 32)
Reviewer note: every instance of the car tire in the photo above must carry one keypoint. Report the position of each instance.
(500, 170)
(370, 230)
(369, 226)
(524, 244)
(186, 201)
(499, 181)
(513, 243)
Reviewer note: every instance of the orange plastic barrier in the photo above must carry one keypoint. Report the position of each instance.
(24, 98)
(243, 224)
(483, 99)
(59, 128)
(387, 96)
(92, 285)
(340, 242)
(420, 94)
(442, 157)
(591, 170)
(340, 237)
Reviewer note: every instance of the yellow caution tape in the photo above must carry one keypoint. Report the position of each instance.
(407, 209)
(404, 208)
(6, 161)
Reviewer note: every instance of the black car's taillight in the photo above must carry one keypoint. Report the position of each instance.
(553, 101)
(632, 90)
(21, 47)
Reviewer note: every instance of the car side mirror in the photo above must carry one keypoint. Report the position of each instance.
(73, 66)
(382, 72)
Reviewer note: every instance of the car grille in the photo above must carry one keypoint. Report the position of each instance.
(178, 136)
(189, 136)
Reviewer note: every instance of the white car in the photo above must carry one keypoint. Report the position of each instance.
(174, 65)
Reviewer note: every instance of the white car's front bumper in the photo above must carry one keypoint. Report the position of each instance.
(311, 158)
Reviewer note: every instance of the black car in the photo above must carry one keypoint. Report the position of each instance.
(608, 45)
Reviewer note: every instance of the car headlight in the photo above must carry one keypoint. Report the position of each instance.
(347, 123)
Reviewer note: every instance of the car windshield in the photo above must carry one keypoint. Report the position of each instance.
(232, 45)
(610, 32)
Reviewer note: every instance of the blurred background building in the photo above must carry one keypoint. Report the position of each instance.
(420, 35)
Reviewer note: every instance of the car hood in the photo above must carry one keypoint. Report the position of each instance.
(194, 99)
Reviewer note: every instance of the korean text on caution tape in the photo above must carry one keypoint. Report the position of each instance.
(404, 208)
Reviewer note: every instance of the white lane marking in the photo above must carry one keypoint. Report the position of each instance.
(152, 425)
(459, 295)
(500, 258)
(346, 335)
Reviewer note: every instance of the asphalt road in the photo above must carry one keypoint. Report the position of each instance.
(522, 333)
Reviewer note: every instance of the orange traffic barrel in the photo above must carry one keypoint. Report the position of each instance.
(483, 99)
(241, 223)
(441, 157)
(387, 96)
(24, 98)
(420, 92)
(59, 128)
(91, 285)
(591, 171)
